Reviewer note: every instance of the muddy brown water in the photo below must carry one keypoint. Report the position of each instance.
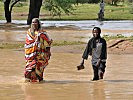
(63, 81)
(61, 35)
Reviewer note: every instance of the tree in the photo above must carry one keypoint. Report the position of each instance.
(93, 1)
(34, 10)
(81, 1)
(131, 6)
(131, 1)
(113, 2)
(56, 7)
(8, 6)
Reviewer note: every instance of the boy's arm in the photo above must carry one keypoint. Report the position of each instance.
(87, 50)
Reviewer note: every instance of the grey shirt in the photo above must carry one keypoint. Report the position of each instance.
(97, 52)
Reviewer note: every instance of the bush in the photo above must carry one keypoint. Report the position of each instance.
(93, 1)
(82, 1)
(57, 7)
(131, 8)
(130, 1)
(112, 2)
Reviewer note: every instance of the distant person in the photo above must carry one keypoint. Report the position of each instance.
(102, 4)
(101, 11)
(97, 48)
(37, 52)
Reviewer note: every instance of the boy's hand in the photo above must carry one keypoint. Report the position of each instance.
(81, 66)
(98, 63)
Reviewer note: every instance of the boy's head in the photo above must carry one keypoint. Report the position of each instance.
(96, 32)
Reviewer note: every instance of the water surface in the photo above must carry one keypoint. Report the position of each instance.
(83, 24)
(63, 81)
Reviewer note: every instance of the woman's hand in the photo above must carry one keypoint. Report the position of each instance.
(51, 41)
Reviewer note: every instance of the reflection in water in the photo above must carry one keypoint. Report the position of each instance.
(119, 81)
(63, 81)
(98, 91)
(68, 91)
(72, 29)
(10, 36)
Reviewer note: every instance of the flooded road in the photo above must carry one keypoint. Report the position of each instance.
(83, 24)
(63, 81)
(66, 30)
(61, 35)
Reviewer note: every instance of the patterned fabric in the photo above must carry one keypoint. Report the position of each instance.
(37, 54)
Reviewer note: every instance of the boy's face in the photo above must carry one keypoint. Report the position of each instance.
(95, 33)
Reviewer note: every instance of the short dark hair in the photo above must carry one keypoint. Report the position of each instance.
(98, 28)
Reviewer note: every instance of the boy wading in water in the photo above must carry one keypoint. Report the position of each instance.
(97, 48)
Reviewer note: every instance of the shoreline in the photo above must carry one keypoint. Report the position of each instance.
(13, 37)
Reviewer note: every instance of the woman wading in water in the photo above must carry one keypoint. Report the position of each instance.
(37, 52)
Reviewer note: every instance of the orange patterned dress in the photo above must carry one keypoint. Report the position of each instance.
(37, 54)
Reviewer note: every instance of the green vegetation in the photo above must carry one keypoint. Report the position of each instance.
(89, 12)
(13, 45)
(1, 7)
(63, 43)
(9, 45)
(17, 45)
(118, 12)
(131, 38)
(56, 7)
(107, 37)
(131, 8)
(80, 12)
(80, 37)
